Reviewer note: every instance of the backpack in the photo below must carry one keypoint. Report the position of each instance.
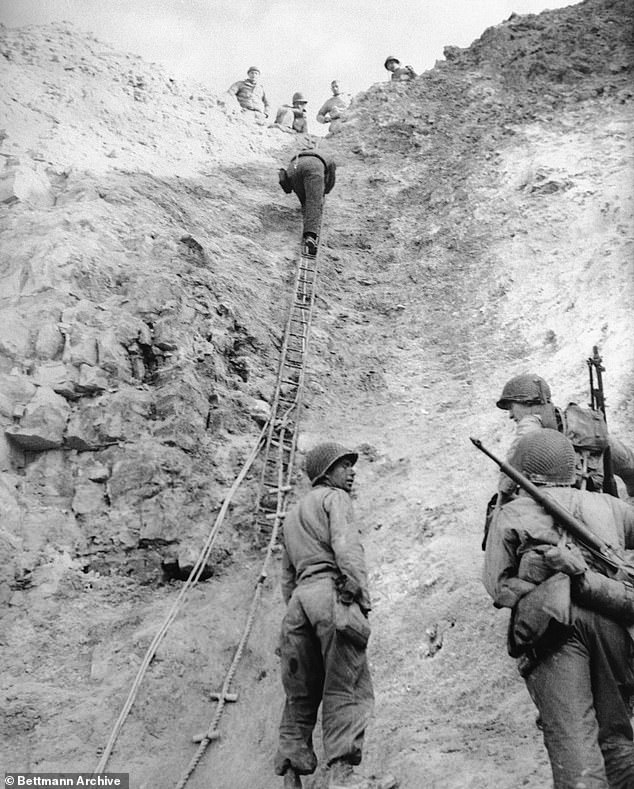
(586, 428)
(588, 432)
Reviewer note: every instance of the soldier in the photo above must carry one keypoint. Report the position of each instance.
(250, 94)
(574, 652)
(324, 582)
(399, 73)
(292, 117)
(527, 398)
(334, 108)
(311, 175)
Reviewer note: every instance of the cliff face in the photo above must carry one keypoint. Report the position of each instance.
(138, 332)
(481, 226)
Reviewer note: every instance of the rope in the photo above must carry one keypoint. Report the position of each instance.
(226, 685)
(189, 583)
(255, 601)
(283, 485)
(279, 424)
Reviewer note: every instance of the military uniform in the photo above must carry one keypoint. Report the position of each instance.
(322, 559)
(311, 175)
(291, 119)
(403, 74)
(333, 108)
(399, 73)
(576, 662)
(251, 96)
(532, 391)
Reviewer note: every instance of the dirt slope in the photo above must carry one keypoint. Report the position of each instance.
(481, 226)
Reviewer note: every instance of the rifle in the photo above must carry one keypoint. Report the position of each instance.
(595, 369)
(597, 403)
(616, 566)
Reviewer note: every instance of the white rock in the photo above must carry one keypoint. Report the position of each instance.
(49, 342)
(44, 421)
(32, 186)
(89, 497)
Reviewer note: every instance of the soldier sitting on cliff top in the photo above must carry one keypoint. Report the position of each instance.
(292, 117)
(250, 95)
(399, 73)
(334, 108)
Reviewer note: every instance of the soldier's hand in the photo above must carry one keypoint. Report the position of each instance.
(347, 589)
(566, 559)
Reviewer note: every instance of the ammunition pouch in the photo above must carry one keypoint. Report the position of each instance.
(285, 181)
(541, 620)
(351, 623)
(608, 596)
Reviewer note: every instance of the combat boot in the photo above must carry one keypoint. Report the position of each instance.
(343, 776)
(292, 779)
(309, 245)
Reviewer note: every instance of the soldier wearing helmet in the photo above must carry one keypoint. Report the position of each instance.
(527, 398)
(323, 567)
(292, 117)
(524, 390)
(399, 73)
(572, 650)
(250, 95)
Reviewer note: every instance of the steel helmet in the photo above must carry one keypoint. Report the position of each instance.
(528, 389)
(391, 59)
(320, 458)
(253, 68)
(299, 97)
(546, 457)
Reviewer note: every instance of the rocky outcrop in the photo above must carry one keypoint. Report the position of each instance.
(574, 57)
(135, 358)
(481, 226)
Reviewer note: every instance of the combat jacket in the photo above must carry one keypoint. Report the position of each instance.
(250, 95)
(521, 530)
(333, 106)
(292, 118)
(403, 74)
(320, 537)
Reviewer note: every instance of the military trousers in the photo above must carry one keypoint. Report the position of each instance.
(319, 666)
(583, 692)
(307, 176)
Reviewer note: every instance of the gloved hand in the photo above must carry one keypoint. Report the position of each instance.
(566, 558)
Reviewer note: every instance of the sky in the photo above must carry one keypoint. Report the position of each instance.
(297, 44)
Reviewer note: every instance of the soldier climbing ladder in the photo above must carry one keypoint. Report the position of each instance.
(278, 441)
